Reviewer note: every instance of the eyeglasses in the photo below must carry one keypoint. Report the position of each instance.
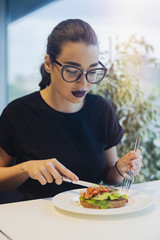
(72, 74)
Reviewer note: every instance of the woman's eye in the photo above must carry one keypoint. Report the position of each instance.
(71, 71)
(92, 72)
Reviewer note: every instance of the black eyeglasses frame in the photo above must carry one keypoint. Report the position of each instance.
(63, 66)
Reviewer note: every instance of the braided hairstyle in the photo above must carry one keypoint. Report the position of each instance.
(71, 30)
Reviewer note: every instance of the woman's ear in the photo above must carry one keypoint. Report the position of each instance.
(47, 63)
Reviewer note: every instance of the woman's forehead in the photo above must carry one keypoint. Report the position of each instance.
(77, 46)
(76, 52)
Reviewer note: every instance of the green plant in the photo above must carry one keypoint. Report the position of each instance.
(135, 111)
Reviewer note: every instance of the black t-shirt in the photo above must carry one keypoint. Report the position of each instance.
(31, 130)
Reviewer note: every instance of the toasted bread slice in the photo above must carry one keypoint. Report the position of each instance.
(112, 204)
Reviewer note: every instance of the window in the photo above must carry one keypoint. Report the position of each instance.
(27, 36)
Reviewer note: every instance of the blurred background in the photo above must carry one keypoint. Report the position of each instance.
(110, 19)
(129, 37)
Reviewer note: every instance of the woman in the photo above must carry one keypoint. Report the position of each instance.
(62, 130)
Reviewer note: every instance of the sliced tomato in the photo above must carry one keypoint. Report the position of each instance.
(93, 191)
(103, 189)
(96, 190)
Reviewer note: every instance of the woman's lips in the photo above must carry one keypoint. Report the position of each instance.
(78, 94)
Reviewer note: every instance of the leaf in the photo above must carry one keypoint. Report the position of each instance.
(135, 111)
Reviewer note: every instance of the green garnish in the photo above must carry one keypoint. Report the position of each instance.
(102, 204)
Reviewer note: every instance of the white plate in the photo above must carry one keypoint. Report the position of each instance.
(69, 201)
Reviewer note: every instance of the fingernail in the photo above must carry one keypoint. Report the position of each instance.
(76, 178)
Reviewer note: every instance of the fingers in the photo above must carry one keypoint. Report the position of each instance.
(64, 171)
(46, 174)
(137, 162)
(133, 154)
(58, 170)
(47, 171)
(40, 178)
(132, 160)
(136, 165)
(55, 175)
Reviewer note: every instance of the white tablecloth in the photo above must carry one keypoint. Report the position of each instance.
(40, 220)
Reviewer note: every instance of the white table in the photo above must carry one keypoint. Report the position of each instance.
(40, 220)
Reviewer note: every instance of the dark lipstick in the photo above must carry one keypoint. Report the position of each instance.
(78, 94)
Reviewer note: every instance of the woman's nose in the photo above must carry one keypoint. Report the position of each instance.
(83, 79)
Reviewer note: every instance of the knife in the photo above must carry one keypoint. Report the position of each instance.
(79, 182)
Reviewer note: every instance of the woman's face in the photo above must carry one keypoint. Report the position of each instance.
(74, 54)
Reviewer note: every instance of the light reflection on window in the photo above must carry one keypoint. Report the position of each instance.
(27, 36)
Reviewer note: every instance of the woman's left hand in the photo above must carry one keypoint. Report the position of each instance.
(130, 161)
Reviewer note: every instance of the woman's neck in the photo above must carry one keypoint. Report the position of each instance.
(56, 102)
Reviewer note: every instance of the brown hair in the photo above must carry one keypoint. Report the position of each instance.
(74, 30)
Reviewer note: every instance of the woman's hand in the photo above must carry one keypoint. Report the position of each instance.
(130, 161)
(47, 171)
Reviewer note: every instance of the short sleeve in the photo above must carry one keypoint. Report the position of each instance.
(114, 132)
(6, 134)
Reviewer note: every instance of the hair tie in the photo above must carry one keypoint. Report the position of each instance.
(118, 169)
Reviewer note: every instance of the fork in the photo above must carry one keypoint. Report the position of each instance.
(129, 176)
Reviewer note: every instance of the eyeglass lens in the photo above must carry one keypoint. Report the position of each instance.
(95, 75)
(71, 74)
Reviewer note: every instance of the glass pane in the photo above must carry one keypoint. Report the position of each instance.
(110, 19)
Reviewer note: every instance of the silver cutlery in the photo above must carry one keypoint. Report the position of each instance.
(129, 176)
(79, 182)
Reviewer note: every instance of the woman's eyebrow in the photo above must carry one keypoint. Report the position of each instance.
(73, 63)
(79, 65)
(94, 65)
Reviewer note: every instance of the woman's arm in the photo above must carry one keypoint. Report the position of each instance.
(111, 176)
(42, 170)
(10, 176)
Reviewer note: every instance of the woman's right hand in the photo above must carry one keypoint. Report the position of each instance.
(47, 171)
